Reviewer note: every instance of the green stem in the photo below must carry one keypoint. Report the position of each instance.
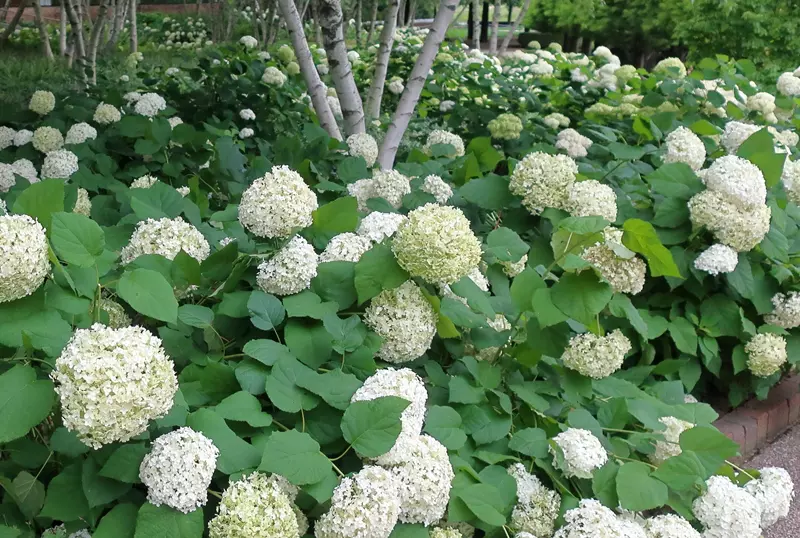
(340, 456)
(339, 471)
(621, 458)
(740, 469)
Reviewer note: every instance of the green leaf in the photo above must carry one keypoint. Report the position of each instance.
(164, 522)
(684, 335)
(266, 351)
(156, 202)
(120, 522)
(523, 288)
(641, 237)
(488, 192)
(377, 270)
(460, 314)
(312, 344)
(24, 401)
(581, 296)
(531, 442)
(295, 456)
(76, 239)
(604, 484)
(335, 282)
(681, 472)
(282, 387)
(230, 159)
(372, 426)
(252, 376)
(483, 500)
(28, 493)
(333, 218)
(41, 200)
(624, 152)
(149, 293)
(243, 407)
(710, 446)
(234, 305)
(307, 304)
(195, 315)
(405, 530)
(98, 489)
(335, 387)
(484, 423)
(505, 245)
(477, 299)
(583, 225)
(266, 310)
(235, 454)
(622, 307)
(637, 490)
(123, 464)
(65, 500)
(444, 424)
(462, 391)
(675, 180)
(66, 442)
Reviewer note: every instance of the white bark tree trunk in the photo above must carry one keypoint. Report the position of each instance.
(416, 82)
(372, 21)
(78, 42)
(330, 18)
(94, 41)
(513, 29)
(316, 90)
(495, 27)
(119, 16)
(14, 22)
(4, 11)
(62, 31)
(359, 17)
(412, 13)
(46, 50)
(133, 11)
(375, 95)
(476, 24)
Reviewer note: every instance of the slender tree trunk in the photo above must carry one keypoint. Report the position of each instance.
(382, 60)
(317, 26)
(272, 28)
(14, 22)
(120, 14)
(476, 24)
(199, 3)
(510, 11)
(330, 18)
(412, 12)
(94, 40)
(400, 13)
(513, 29)
(495, 27)
(78, 42)
(359, 21)
(46, 50)
(133, 13)
(461, 11)
(62, 31)
(304, 10)
(416, 82)
(372, 21)
(4, 11)
(316, 90)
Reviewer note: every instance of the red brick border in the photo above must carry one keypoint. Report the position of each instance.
(758, 422)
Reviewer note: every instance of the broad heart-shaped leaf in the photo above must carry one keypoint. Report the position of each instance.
(531, 442)
(333, 218)
(9, 532)
(120, 522)
(488, 192)
(581, 296)
(675, 180)
(76, 239)
(296, 456)
(266, 311)
(406, 530)
(164, 522)
(123, 465)
(235, 454)
(604, 484)
(266, 351)
(377, 270)
(243, 407)
(98, 489)
(27, 492)
(149, 293)
(156, 202)
(711, 446)
(65, 500)
(444, 424)
(41, 200)
(637, 490)
(24, 401)
(641, 237)
(195, 315)
(682, 472)
(505, 245)
(372, 426)
(484, 501)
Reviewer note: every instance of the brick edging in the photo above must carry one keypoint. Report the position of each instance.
(758, 422)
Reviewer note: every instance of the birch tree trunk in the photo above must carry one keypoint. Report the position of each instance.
(375, 95)
(330, 19)
(476, 24)
(78, 41)
(62, 31)
(133, 12)
(416, 82)
(401, 12)
(513, 29)
(48, 52)
(315, 17)
(94, 40)
(14, 22)
(495, 27)
(412, 13)
(359, 21)
(316, 90)
(372, 21)
(120, 14)
(4, 11)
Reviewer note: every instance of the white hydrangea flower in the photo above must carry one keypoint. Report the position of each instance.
(735, 134)
(790, 177)
(396, 86)
(178, 470)
(738, 180)
(537, 506)
(247, 114)
(47, 139)
(596, 356)
(717, 259)
(165, 237)
(766, 354)
(172, 71)
(378, 226)
(365, 505)
(248, 41)
(438, 188)
(788, 84)
(774, 491)
(25, 263)
(345, 247)
(290, 270)
(42, 102)
(556, 120)
(106, 114)
(669, 526)
(440, 532)
(405, 320)
(683, 146)
(25, 168)
(390, 185)
(80, 133)
(543, 180)
(59, 164)
(786, 312)
(443, 137)
(591, 198)
(7, 177)
(671, 66)
(738, 228)
(763, 103)
(446, 105)
(323, 69)
(7, 135)
(353, 56)
(174, 121)
(626, 275)
(143, 182)
(335, 106)
(117, 317)
(254, 506)
(512, 269)
(593, 520)
(363, 145)
(727, 511)
(277, 204)
(21, 137)
(273, 76)
(264, 56)
(603, 52)
(132, 97)
(669, 446)
(83, 205)
(149, 105)
(505, 127)
(582, 453)
(247, 132)
(112, 383)
(184, 191)
(575, 144)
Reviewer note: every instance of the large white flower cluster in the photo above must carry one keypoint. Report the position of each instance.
(21, 137)
(254, 506)
(773, 491)
(591, 198)
(117, 317)
(346, 247)
(735, 133)
(390, 185)
(672, 67)
(7, 135)
(395, 86)
(766, 354)
(277, 204)
(581, 453)
(405, 320)
(790, 177)
(437, 244)
(47, 139)
(789, 84)
(727, 511)
(537, 506)
(764, 104)
(738, 180)
(786, 310)
(178, 470)
(625, 274)
(378, 226)
(365, 505)
(106, 114)
(593, 520)
(59, 164)
(25, 168)
(556, 120)
(668, 447)
(149, 104)
(717, 259)
(42, 102)
(683, 146)
(247, 114)
(575, 144)
(80, 133)
(24, 264)
(363, 145)
(505, 127)
(247, 132)
(112, 383)
(165, 237)
(143, 182)
(443, 137)
(596, 356)
(273, 76)
(441, 532)
(669, 526)
(543, 180)
(438, 188)
(248, 41)
(290, 270)
(83, 204)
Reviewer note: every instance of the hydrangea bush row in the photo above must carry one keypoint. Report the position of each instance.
(216, 319)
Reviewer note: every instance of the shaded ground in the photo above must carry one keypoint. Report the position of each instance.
(783, 452)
